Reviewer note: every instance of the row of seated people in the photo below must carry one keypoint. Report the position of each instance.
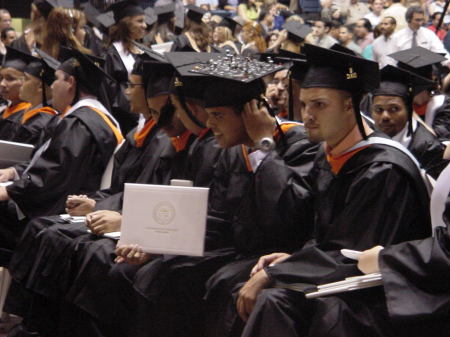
(285, 198)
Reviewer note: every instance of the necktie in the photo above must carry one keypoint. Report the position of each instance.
(414, 39)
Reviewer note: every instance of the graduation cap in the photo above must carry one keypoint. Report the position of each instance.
(404, 84)
(418, 60)
(125, 8)
(46, 6)
(150, 16)
(336, 70)
(85, 68)
(165, 13)
(342, 49)
(286, 13)
(92, 13)
(230, 23)
(106, 20)
(43, 67)
(16, 59)
(147, 54)
(297, 31)
(195, 13)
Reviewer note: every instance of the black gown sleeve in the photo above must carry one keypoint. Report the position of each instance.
(32, 131)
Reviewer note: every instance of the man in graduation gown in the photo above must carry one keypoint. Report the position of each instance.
(243, 216)
(364, 193)
(415, 277)
(86, 134)
(12, 74)
(392, 112)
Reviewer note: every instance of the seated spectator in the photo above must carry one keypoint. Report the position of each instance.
(7, 35)
(346, 39)
(5, 19)
(363, 33)
(350, 11)
(253, 39)
(223, 38)
(397, 11)
(248, 10)
(376, 11)
(266, 18)
(383, 45)
(320, 34)
(435, 17)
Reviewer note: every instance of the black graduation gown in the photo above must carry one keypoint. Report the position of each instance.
(441, 121)
(21, 44)
(116, 90)
(428, 150)
(81, 137)
(32, 131)
(9, 125)
(181, 43)
(377, 198)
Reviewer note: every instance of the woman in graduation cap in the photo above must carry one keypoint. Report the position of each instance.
(356, 185)
(196, 33)
(120, 56)
(164, 28)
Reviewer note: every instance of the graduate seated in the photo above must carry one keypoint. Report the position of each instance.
(392, 111)
(358, 179)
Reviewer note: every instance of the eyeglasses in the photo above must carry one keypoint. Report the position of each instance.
(132, 85)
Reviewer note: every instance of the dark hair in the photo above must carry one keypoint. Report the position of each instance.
(5, 32)
(367, 25)
(327, 23)
(262, 14)
(411, 11)
(350, 28)
(433, 16)
(335, 24)
(393, 21)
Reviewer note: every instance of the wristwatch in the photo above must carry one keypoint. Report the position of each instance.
(266, 144)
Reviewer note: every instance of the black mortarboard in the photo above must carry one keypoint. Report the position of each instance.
(286, 13)
(150, 53)
(418, 60)
(85, 68)
(336, 70)
(297, 31)
(342, 49)
(236, 78)
(150, 16)
(230, 23)
(147, 54)
(106, 20)
(165, 13)
(43, 67)
(402, 83)
(92, 13)
(16, 59)
(195, 13)
(125, 8)
(158, 77)
(46, 6)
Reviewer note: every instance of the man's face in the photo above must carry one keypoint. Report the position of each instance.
(416, 21)
(227, 126)
(135, 93)
(387, 26)
(30, 88)
(5, 21)
(10, 37)
(63, 91)
(182, 114)
(174, 128)
(390, 114)
(327, 114)
(360, 30)
(318, 29)
(10, 84)
(377, 6)
(277, 89)
(436, 19)
(344, 35)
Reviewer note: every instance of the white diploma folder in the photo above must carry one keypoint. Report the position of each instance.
(165, 219)
(12, 153)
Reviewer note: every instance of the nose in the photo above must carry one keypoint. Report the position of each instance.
(385, 116)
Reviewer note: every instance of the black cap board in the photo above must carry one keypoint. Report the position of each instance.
(195, 13)
(46, 6)
(150, 16)
(342, 49)
(297, 31)
(158, 77)
(85, 68)
(165, 13)
(106, 20)
(147, 54)
(43, 67)
(125, 8)
(336, 70)
(418, 60)
(230, 23)
(16, 59)
(92, 13)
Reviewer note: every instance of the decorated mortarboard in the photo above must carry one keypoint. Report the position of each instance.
(106, 20)
(418, 60)
(297, 31)
(150, 16)
(16, 59)
(86, 69)
(332, 69)
(230, 23)
(342, 49)
(195, 13)
(404, 84)
(236, 78)
(125, 8)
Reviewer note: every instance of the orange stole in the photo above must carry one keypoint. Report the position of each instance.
(140, 136)
(114, 129)
(31, 113)
(180, 142)
(11, 110)
(339, 161)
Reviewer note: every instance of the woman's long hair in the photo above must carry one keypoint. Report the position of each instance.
(254, 30)
(121, 32)
(200, 32)
(165, 31)
(60, 29)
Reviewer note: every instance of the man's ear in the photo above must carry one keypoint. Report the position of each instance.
(72, 82)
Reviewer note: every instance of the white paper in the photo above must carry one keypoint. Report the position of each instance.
(165, 219)
(12, 153)
(162, 48)
(351, 254)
